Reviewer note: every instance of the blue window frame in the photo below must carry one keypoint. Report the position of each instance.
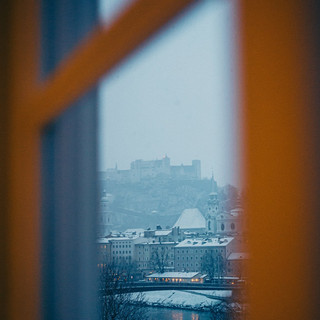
(68, 175)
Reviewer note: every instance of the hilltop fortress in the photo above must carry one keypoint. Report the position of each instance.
(141, 170)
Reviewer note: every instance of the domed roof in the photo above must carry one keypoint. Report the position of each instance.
(236, 211)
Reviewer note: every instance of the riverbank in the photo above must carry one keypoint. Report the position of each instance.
(187, 300)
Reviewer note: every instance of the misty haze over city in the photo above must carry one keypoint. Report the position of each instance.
(177, 96)
(170, 193)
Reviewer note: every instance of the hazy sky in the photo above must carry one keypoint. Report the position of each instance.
(177, 96)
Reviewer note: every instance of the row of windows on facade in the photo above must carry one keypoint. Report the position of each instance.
(187, 265)
(187, 258)
(196, 257)
(147, 258)
(123, 246)
(104, 220)
(121, 258)
(222, 226)
(182, 258)
(201, 251)
(154, 250)
(232, 226)
(122, 252)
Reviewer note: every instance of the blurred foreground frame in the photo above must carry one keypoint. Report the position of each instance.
(280, 115)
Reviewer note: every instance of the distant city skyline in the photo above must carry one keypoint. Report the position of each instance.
(177, 96)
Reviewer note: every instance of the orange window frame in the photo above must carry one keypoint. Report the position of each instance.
(274, 86)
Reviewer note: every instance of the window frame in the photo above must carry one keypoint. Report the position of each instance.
(278, 38)
(97, 54)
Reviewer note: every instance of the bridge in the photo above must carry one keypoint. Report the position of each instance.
(237, 289)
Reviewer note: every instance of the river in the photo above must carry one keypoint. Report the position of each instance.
(175, 314)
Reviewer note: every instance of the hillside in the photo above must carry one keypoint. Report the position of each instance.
(156, 201)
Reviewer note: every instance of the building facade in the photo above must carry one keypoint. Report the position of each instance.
(123, 249)
(237, 264)
(176, 277)
(155, 256)
(103, 252)
(189, 255)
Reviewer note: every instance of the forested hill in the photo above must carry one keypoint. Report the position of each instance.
(160, 197)
(168, 197)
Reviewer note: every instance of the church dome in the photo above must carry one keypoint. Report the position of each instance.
(236, 212)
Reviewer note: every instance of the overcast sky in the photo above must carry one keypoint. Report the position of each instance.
(176, 96)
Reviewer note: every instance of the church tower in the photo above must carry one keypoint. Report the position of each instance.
(213, 208)
(105, 222)
(212, 212)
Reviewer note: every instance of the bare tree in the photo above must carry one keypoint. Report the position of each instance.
(159, 258)
(220, 265)
(208, 264)
(228, 311)
(213, 264)
(116, 303)
(233, 309)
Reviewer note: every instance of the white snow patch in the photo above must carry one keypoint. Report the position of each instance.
(162, 232)
(210, 242)
(189, 299)
(216, 293)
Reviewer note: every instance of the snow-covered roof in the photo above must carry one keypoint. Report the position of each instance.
(102, 240)
(238, 256)
(163, 242)
(162, 232)
(208, 242)
(137, 231)
(122, 238)
(152, 242)
(191, 219)
(186, 275)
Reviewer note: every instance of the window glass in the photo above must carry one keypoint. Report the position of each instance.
(169, 148)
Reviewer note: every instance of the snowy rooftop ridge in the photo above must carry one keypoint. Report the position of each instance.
(208, 242)
(123, 238)
(185, 275)
(151, 242)
(191, 219)
(162, 232)
(135, 231)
